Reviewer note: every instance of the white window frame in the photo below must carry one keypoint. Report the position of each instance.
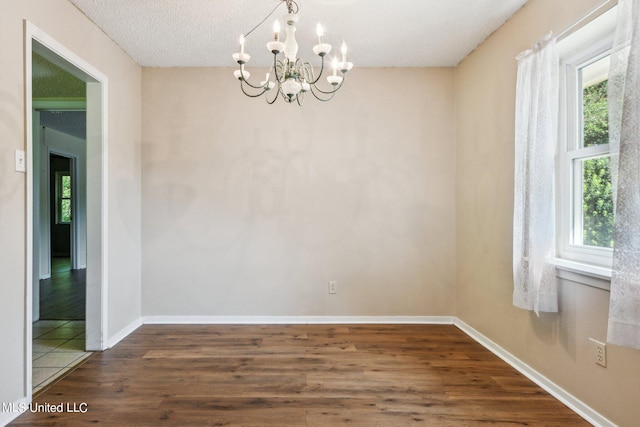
(585, 46)
(59, 197)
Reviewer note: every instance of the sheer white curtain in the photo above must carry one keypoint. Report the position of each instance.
(536, 134)
(624, 134)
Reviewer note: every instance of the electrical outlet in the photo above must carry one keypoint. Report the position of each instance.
(599, 352)
(333, 287)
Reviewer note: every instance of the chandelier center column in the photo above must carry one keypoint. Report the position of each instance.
(290, 43)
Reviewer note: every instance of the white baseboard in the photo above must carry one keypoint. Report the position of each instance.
(11, 411)
(124, 332)
(552, 388)
(297, 320)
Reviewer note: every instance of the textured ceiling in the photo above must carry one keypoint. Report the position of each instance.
(51, 81)
(379, 33)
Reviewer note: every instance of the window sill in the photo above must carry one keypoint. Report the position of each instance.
(586, 274)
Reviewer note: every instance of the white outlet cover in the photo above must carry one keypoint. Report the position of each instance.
(599, 352)
(333, 287)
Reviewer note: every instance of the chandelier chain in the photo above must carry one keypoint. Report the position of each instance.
(292, 7)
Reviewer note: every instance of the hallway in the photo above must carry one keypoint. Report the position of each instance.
(63, 296)
(59, 334)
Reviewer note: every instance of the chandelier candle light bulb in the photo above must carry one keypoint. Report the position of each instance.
(335, 79)
(293, 76)
(320, 33)
(276, 31)
(241, 58)
(345, 66)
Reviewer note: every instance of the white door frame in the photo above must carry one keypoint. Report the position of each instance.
(78, 228)
(47, 142)
(97, 190)
(78, 197)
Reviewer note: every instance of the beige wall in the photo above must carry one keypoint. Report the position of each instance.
(245, 213)
(60, 20)
(554, 344)
(250, 209)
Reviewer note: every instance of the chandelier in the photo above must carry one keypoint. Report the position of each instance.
(291, 77)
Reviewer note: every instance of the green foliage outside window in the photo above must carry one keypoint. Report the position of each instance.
(596, 114)
(65, 199)
(597, 198)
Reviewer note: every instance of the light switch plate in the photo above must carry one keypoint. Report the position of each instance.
(20, 161)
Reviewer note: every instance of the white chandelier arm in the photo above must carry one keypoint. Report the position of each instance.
(242, 79)
(243, 82)
(275, 96)
(313, 80)
(279, 65)
(264, 87)
(329, 92)
(315, 89)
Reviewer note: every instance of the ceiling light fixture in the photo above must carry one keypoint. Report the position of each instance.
(290, 76)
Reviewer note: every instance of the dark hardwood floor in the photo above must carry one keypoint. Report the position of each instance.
(299, 375)
(62, 297)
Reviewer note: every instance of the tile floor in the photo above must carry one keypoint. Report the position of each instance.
(58, 346)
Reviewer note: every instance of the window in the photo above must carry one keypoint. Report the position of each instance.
(585, 204)
(588, 153)
(63, 198)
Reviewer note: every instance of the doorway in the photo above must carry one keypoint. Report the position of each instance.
(93, 252)
(62, 294)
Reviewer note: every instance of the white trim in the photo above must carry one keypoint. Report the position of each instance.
(124, 332)
(295, 320)
(549, 386)
(68, 147)
(585, 45)
(28, 94)
(593, 270)
(591, 16)
(587, 274)
(7, 417)
(98, 82)
(97, 89)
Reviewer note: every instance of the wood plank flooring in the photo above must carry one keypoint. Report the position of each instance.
(299, 375)
(63, 295)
